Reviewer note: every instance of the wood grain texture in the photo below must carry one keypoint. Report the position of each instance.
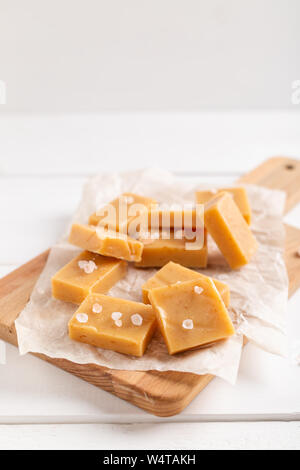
(159, 393)
(278, 173)
(292, 258)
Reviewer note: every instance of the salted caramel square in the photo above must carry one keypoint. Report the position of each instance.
(158, 251)
(239, 195)
(230, 231)
(107, 322)
(85, 274)
(121, 212)
(105, 242)
(174, 218)
(191, 314)
(173, 273)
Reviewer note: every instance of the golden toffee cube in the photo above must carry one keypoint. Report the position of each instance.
(87, 273)
(106, 243)
(173, 273)
(188, 252)
(191, 314)
(229, 230)
(174, 218)
(239, 195)
(112, 217)
(106, 322)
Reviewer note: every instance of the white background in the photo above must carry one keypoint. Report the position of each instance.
(197, 87)
(95, 55)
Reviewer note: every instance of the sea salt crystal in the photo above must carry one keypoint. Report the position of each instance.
(188, 324)
(198, 289)
(136, 319)
(97, 308)
(90, 267)
(82, 317)
(116, 315)
(87, 266)
(118, 323)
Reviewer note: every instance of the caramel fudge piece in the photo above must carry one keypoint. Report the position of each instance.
(190, 314)
(174, 218)
(229, 230)
(87, 273)
(118, 214)
(107, 243)
(110, 323)
(173, 273)
(158, 252)
(239, 195)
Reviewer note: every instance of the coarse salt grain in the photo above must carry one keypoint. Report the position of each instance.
(188, 324)
(81, 263)
(136, 319)
(198, 289)
(87, 266)
(91, 267)
(116, 315)
(118, 323)
(82, 317)
(97, 308)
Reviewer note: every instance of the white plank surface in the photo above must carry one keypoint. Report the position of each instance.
(85, 144)
(243, 436)
(34, 214)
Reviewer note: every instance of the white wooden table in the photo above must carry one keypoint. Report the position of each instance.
(44, 160)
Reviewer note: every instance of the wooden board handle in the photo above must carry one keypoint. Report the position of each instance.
(278, 173)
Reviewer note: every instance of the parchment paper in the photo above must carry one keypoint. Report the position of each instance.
(258, 290)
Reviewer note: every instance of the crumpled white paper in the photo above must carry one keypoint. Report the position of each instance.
(258, 290)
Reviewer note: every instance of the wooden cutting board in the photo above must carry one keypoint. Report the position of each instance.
(159, 393)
